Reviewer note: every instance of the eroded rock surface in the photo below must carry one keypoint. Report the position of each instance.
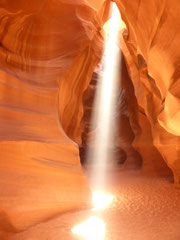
(151, 49)
(48, 50)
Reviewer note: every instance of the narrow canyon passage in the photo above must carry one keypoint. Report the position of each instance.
(143, 209)
(58, 144)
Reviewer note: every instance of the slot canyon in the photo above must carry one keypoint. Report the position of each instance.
(51, 61)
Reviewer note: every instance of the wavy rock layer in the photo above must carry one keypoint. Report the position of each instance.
(48, 50)
(152, 53)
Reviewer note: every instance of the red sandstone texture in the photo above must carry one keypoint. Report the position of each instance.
(48, 52)
(151, 49)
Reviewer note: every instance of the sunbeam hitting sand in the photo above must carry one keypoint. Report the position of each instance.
(89, 120)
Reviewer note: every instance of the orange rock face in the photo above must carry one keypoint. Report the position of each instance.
(152, 51)
(48, 50)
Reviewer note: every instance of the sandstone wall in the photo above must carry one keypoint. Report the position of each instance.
(48, 50)
(152, 51)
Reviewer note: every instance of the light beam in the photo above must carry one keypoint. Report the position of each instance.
(94, 228)
(104, 105)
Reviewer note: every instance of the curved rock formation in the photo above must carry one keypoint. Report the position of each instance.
(48, 50)
(152, 51)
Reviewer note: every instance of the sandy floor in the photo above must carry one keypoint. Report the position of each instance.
(144, 209)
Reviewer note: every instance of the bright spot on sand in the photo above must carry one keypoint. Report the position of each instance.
(102, 200)
(92, 229)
